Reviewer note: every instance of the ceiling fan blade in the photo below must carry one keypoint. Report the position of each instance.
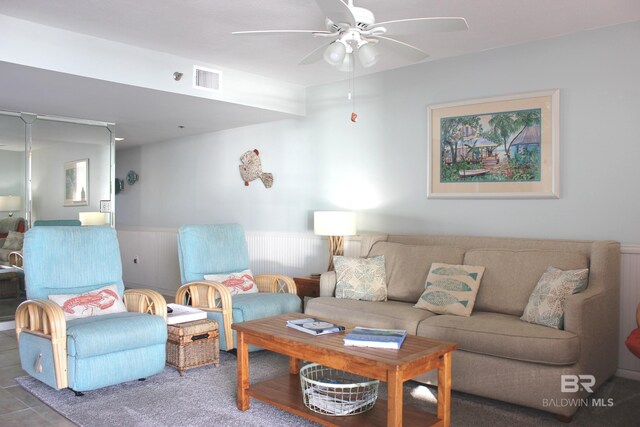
(337, 11)
(276, 32)
(402, 48)
(423, 25)
(314, 56)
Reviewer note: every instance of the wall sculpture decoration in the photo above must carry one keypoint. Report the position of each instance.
(251, 168)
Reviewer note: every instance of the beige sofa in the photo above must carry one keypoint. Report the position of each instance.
(500, 356)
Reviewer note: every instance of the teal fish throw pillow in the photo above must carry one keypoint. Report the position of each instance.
(451, 289)
(361, 278)
(548, 299)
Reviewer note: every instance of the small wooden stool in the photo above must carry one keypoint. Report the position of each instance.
(193, 344)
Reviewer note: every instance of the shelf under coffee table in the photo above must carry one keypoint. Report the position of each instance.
(416, 356)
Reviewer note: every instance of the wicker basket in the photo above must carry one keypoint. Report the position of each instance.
(332, 392)
(193, 344)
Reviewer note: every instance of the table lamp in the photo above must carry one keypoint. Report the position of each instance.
(10, 204)
(94, 218)
(335, 225)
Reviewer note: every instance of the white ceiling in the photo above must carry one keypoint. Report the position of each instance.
(201, 30)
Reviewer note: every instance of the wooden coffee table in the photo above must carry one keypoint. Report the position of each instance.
(416, 356)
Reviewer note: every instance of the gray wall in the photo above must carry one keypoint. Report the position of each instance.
(379, 165)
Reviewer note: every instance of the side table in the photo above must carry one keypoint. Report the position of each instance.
(307, 287)
(193, 344)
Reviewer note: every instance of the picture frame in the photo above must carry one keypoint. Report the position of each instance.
(76, 183)
(500, 147)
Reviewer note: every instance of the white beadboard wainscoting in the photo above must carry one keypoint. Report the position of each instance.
(298, 254)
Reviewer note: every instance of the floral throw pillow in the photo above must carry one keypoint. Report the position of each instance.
(451, 289)
(14, 241)
(241, 282)
(548, 299)
(361, 278)
(93, 303)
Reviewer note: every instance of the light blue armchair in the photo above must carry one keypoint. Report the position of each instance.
(222, 249)
(90, 352)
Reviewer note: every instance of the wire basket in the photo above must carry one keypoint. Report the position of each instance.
(332, 392)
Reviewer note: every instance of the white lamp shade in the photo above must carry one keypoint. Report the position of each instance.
(335, 53)
(10, 203)
(94, 218)
(334, 223)
(368, 55)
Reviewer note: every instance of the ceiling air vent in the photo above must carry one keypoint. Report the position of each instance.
(206, 78)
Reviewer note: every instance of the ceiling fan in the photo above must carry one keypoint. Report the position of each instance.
(354, 29)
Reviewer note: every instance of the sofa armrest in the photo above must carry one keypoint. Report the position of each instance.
(592, 315)
(145, 301)
(275, 283)
(45, 319)
(328, 284)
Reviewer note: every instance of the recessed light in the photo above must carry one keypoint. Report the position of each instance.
(119, 138)
(181, 126)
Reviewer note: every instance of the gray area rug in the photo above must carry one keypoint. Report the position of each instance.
(206, 396)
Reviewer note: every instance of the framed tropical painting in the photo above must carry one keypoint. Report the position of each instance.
(503, 147)
(76, 183)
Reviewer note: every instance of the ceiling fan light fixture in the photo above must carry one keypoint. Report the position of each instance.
(347, 63)
(335, 53)
(368, 55)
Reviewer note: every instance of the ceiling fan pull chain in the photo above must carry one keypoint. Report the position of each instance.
(354, 116)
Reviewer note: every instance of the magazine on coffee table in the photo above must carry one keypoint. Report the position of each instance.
(314, 326)
(378, 338)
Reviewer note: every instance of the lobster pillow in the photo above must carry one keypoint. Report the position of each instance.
(93, 303)
(241, 282)
(633, 342)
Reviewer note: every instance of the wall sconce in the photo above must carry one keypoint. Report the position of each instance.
(94, 218)
(10, 204)
(335, 225)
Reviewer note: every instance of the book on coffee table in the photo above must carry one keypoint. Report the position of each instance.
(314, 326)
(378, 338)
(184, 313)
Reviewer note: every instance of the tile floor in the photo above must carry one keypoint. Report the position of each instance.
(18, 408)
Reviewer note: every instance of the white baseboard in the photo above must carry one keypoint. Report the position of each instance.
(7, 326)
(626, 373)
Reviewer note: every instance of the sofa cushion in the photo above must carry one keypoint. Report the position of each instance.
(511, 275)
(506, 336)
(451, 289)
(360, 278)
(97, 335)
(389, 314)
(407, 266)
(547, 301)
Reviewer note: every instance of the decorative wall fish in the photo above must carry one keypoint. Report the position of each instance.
(251, 168)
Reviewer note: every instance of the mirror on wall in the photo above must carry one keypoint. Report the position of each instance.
(70, 172)
(12, 210)
(51, 168)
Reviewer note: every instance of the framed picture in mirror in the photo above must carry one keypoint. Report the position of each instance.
(76, 184)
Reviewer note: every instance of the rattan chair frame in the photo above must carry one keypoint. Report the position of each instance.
(215, 297)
